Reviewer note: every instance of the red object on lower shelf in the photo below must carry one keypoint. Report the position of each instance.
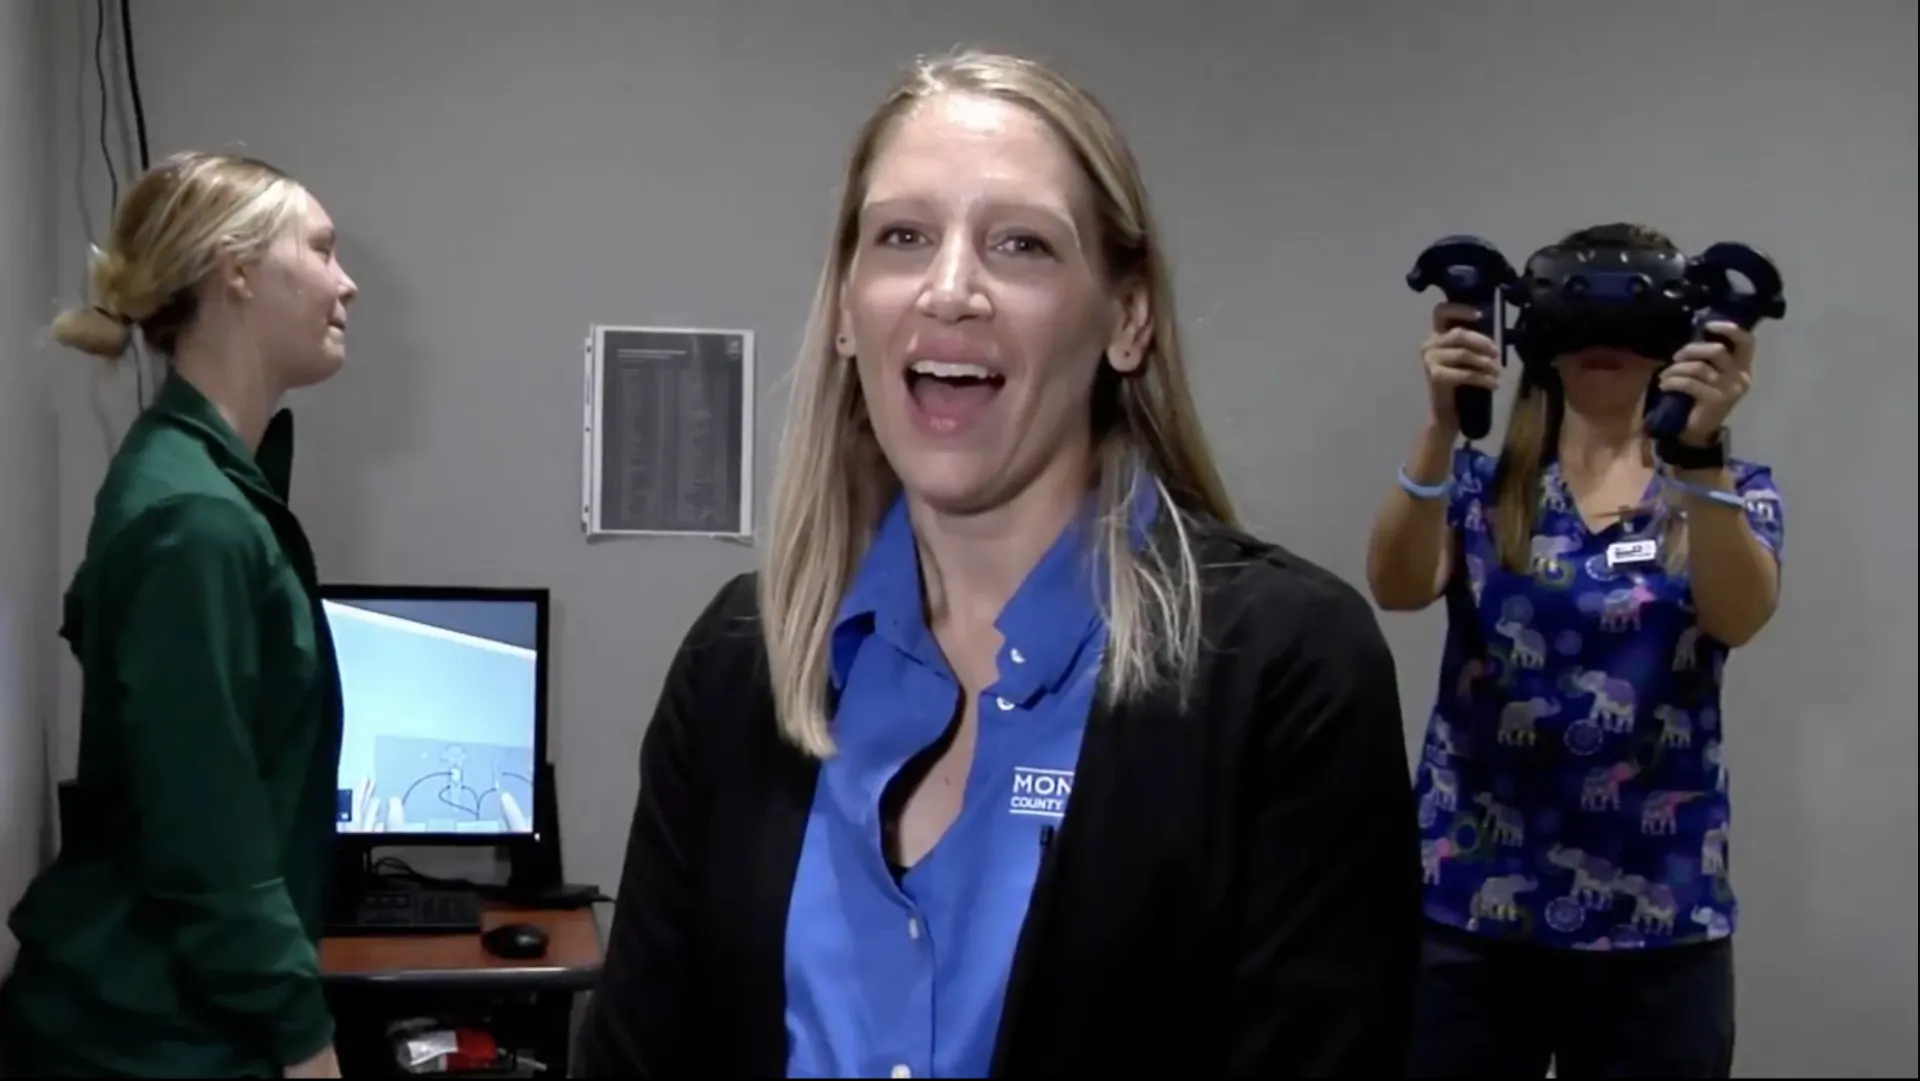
(476, 1050)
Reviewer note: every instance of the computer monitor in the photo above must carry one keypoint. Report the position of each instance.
(445, 694)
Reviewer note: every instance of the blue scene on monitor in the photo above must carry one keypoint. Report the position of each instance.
(441, 704)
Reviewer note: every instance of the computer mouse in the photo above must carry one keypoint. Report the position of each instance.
(515, 941)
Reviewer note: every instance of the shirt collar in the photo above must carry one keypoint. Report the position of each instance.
(1045, 627)
(1556, 497)
(265, 473)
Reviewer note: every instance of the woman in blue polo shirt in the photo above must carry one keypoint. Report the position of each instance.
(1573, 791)
(1016, 758)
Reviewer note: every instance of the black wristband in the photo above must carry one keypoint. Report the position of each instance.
(1681, 455)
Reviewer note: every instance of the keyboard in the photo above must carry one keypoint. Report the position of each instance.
(409, 912)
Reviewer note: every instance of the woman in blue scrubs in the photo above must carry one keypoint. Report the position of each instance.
(1573, 790)
(1016, 757)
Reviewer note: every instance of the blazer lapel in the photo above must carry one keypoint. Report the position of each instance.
(774, 833)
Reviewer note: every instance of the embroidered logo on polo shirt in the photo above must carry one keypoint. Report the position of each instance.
(1040, 792)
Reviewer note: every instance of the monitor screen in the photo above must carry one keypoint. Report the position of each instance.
(442, 714)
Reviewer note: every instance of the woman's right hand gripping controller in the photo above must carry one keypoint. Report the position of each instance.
(1456, 355)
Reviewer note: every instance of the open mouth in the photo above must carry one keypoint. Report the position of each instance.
(948, 396)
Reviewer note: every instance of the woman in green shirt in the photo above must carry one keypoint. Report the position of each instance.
(177, 933)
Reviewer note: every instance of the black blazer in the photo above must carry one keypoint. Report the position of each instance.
(1233, 891)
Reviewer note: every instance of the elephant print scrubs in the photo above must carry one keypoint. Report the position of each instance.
(1573, 793)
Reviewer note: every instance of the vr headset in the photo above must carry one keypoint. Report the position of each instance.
(1645, 301)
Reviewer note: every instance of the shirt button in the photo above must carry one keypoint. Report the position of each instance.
(1016, 656)
(1003, 704)
(903, 1070)
(913, 928)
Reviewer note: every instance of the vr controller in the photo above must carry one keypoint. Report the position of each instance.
(1471, 271)
(1570, 298)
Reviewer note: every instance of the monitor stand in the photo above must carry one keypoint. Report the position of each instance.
(535, 878)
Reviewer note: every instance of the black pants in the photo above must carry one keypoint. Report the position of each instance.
(1491, 1009)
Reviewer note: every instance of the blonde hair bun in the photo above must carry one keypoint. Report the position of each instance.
(93, 331)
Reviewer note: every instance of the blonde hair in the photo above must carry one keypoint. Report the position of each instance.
(832, 484)
(168, 231)
(1533, 431)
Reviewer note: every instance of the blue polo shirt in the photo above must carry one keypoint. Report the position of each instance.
(1573, 790)
(907, 978)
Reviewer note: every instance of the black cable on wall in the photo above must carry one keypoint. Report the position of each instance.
(106, 105)
(133, 85)
(141, 145)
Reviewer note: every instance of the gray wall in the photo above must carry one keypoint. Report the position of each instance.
(27, 461)
(507, 173)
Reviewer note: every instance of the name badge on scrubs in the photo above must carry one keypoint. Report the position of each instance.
(1628, 553)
